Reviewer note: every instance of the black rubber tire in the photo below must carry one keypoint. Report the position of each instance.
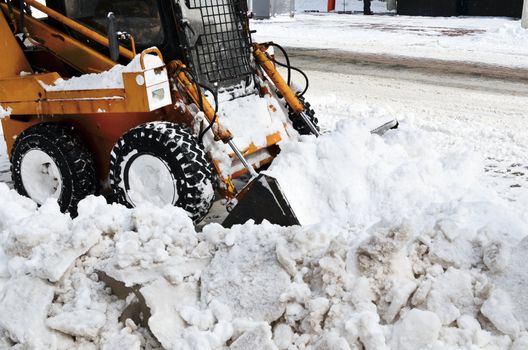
(182, 154)
(68, 151)
(299, 124)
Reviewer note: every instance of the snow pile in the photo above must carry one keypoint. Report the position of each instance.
(251, 119)
(4, 112)
(416, 256)
(111, 79)
(356, 179)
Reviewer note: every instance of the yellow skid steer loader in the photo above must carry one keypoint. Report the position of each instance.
(89, 115)
(156, 136)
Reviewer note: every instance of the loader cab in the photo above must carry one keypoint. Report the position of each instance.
(148, 21)
(141, 18)
(210, 37)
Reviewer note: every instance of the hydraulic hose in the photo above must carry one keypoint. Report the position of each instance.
(289, 67)
(215, 96)
(286, 57)
(199, 88)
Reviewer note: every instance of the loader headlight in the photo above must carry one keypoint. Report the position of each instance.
(158, 94)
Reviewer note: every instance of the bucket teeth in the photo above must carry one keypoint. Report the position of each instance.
(262, 199)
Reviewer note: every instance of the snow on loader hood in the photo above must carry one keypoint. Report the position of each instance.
(404, 249)
(111, 79)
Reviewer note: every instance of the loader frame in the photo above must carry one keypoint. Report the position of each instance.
(102, 116)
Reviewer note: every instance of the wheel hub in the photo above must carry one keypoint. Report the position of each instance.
(41, 176)
(149, 179)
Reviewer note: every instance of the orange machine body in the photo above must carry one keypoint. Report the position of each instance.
(101, 116)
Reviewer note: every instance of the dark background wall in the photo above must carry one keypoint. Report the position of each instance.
(508, 8)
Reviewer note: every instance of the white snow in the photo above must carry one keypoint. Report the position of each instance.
(46, 245)
(4, 161)
(24, 305)
(166, 303)
(254, 285)
(511, 280)
(80, 323)
(416, 331)
(374, 179)
(496, 41)
(499, 310)
(376, 272)
(251, 119)
(407, 244)
(111, 79)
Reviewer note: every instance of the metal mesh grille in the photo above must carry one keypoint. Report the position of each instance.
(222, 52)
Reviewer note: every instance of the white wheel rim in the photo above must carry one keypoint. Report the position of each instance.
(151, 181)
(41, 176)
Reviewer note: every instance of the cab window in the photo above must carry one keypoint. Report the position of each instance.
(138, 18)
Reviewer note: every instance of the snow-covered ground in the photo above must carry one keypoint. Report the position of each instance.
(410, 246)
(5, 175)
(497, 41)
(411, 240)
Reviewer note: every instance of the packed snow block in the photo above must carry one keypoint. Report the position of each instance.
(417, 330)
(175, 268)
(520, 343)
(283, 336)
(444, 8)
(460, 253)
(249, 280)
(507, 8)
(166, 302)
(331, 341)
(24, 307)
(496, 256)
(498, 309)
(79, 323)
(47, 244)
(122, 340)
(56, 264)
(14, 208)
(257, 338)
(514, 281)
(452, 295)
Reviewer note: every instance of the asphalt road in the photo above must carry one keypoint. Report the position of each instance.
(474, 76)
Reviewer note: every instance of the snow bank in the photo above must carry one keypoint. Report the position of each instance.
(111, 79)
(407, 251)
(356, 179)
